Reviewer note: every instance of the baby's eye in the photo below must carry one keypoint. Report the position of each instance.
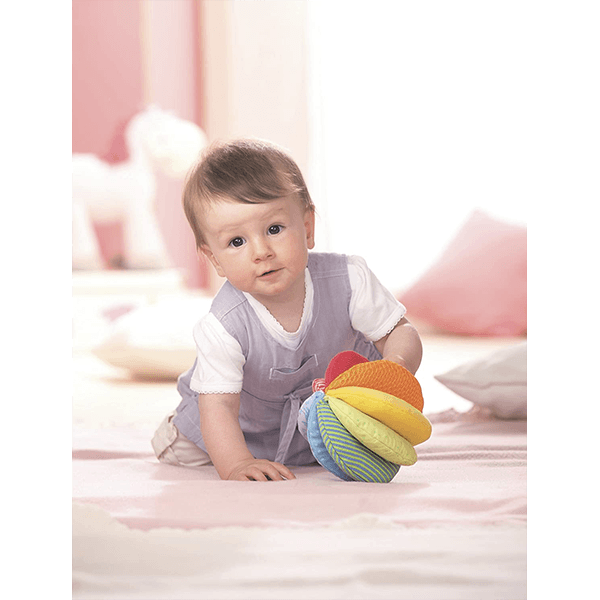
(237, 242)
(275, 229)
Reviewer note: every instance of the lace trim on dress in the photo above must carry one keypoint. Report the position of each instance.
(393, 326)
(221, 391)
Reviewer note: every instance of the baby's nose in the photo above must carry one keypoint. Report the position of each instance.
(262, 250)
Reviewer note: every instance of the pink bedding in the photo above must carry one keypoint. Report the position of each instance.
(451, 527)
(471, 471)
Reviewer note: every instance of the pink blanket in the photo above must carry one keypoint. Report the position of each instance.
(471, 471)
(452, 526)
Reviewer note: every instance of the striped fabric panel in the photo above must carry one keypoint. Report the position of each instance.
(349, 454)
(317, 445)
(376, 436)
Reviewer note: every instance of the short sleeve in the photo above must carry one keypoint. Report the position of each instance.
(373, 309)
(220, 365)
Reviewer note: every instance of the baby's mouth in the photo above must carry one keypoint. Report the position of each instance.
(268, 272)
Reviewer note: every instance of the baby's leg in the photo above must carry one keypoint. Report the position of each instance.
(173, 448)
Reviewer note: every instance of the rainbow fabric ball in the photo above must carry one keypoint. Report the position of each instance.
(364, 425)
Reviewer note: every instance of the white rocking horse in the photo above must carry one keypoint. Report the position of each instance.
(126, 191)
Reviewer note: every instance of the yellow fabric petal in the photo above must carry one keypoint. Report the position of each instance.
(376, 436)
(397, 414)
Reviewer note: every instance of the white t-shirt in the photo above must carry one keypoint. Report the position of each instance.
(219, 370)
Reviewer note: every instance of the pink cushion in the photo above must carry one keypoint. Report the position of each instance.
(479, 285)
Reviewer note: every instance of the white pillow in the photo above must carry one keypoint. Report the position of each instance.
(497, 382)
(155, 341)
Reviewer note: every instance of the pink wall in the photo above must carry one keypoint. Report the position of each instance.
(107, 71)
(127, 54)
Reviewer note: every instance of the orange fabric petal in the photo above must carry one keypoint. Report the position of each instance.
(385, 376)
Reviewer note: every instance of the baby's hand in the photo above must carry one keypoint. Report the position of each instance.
(255, 469)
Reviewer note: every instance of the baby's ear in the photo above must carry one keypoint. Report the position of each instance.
(309, 224)
(206, 251)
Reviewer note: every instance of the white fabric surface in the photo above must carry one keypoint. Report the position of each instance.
(363, 557)
(498, 381)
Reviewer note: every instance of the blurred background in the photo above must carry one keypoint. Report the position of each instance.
(404, 117)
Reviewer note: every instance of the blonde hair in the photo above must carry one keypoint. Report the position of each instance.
(250, 171)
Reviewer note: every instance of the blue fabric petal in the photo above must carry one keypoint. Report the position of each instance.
(316, 443)
(304, 410)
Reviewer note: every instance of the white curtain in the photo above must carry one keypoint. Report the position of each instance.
(419, 113)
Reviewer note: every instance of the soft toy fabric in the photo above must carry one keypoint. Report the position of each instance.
(373, 434)
(304, 412)
(385, 376)
(397, 414)
(340, 363)
(352, 457)
(364, 418)
(317, 445)
(158, 142)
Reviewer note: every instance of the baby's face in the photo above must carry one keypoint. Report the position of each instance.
(261, 249)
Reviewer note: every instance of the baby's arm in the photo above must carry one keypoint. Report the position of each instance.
(402, 345)
(226, 445)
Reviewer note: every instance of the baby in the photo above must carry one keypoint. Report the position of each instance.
(276, 322)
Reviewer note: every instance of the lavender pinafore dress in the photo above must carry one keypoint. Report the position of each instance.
(276, 379)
